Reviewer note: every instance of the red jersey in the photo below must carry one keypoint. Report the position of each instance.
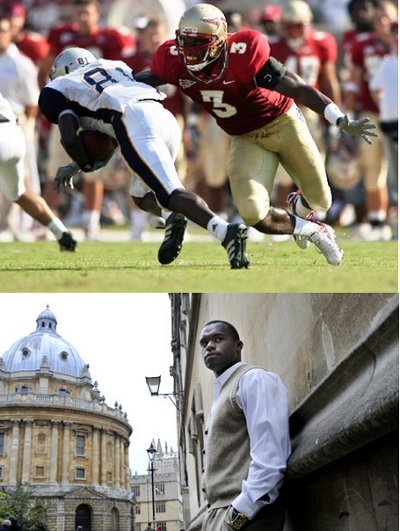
(108, 43)
(33, 45)
(174, 101)
(318, 48)
(237, 104)
(367, 54)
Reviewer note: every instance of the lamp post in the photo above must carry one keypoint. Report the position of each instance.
(151, 452)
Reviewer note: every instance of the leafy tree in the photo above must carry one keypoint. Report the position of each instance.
(20, 502)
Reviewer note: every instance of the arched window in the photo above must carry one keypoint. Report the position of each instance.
(83, 517)
(114, 519)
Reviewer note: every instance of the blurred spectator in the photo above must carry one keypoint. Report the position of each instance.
(108, 43)
(312, 55)
(30, 43)
(269, 20)
(18, 84)
(384, 86)
(366, 56)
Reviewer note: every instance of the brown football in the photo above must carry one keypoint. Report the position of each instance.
(98, 146)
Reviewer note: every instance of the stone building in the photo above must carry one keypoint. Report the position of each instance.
(338, 357)
(58, 435)
(167, 493)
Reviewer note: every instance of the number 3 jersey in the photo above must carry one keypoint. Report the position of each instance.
(237, 104)
(96, 93)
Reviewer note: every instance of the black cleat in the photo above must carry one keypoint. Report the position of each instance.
(67, 242)
(174, 233)
(235, 245)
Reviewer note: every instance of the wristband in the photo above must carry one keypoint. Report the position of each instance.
(332, 113)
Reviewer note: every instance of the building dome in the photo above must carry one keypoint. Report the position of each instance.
(45, 348)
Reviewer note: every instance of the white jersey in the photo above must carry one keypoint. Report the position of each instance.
(6, 112)
(96, 91)
(18, 79)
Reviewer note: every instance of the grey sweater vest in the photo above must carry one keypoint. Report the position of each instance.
(227, 445)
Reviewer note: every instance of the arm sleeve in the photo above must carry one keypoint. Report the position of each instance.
(269, 75)
(52, 103)
(263, 399)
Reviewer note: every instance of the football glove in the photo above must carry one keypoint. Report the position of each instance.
(362, 127)
(65, 177)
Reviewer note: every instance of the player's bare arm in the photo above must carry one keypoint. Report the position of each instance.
(274, 76)
(69, 126)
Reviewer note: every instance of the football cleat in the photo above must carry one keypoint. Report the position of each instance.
(235, 245)
(67, 242)
(324, 240)
(173, 239)
(291, 202)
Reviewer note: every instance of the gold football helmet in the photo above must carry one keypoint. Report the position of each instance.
(202, 37)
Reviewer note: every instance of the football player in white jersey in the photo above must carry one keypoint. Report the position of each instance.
(103, 95)
(12, 173)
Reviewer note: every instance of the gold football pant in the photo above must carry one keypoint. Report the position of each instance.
(254, 158)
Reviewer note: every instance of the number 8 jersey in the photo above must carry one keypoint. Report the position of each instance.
(238, 105)
(96, 92)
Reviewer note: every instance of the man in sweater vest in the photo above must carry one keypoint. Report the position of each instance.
(247, 438)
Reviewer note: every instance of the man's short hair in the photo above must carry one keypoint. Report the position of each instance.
(234, 333)
(86, 3)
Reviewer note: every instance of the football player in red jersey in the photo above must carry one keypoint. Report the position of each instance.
(366, 55)
(252, 97)
(312, 55)
(109, 43)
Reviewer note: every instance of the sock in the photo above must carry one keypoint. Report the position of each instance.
(376, 217)
(57, 227)
(91, 219)
(139, 220)
(218, 227)
(302, 210)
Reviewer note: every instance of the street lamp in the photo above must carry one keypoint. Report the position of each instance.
(153, 383)
(151, 452)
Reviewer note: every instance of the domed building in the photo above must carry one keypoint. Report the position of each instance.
(58, 435)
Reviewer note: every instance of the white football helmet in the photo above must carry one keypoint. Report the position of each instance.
(295, 21)
(202, 37)
(69, 60)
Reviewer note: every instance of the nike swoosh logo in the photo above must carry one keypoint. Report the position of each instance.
(227, 82)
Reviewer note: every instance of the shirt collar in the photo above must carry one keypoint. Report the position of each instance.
(222, 378)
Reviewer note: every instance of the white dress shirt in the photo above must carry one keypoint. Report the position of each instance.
(263, 399)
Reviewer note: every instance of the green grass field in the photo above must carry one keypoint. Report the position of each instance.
(201, 267)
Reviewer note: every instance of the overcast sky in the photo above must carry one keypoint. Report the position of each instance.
(123, 337)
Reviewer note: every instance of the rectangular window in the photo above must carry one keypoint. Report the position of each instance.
(2, 443)
(1, 473)
(109, 477)
(136, 490)
(159, 488)
(162, 526)
(160, 507)
(80, 445)
(137, 508)
(80, 473)
(39, 471)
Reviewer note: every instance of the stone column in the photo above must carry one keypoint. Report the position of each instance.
(66, 453)
(26, 463)
(54, 451)
(117, 450)
(103, 477)
(126, 461)
(14, 452)
(96, 456)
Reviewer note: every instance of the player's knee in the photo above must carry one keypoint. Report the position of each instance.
(250, 211)
(323, 204)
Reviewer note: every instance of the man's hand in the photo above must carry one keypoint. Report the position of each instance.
(65, 177)
(362, 127)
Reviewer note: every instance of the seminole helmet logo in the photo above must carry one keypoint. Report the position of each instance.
(215, 21)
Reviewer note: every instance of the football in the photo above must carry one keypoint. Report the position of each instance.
(98, 146)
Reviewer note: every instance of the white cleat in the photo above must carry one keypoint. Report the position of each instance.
(324, 240)
(291, 201)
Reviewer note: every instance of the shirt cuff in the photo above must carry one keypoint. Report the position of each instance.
(243, 504)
